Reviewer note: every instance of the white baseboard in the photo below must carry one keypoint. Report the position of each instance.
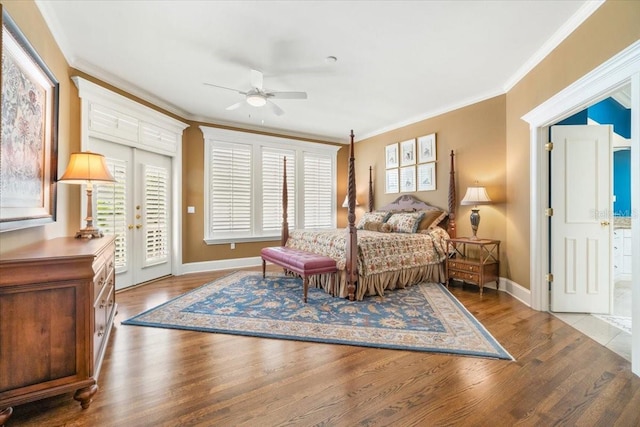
(515, 290)
(224, 264)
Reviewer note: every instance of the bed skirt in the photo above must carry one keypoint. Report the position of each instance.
(376, 284)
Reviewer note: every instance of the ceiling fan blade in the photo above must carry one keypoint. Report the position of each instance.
(287, 95)
(276, 110)
(224, 87)
(256, 79)
(235, 106)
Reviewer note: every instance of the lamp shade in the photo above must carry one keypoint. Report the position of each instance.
(86, 167)
(345, 204)
(476, 196)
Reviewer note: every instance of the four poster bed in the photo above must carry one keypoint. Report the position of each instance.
(370, 262)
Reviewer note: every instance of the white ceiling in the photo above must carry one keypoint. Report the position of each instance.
(398, 61)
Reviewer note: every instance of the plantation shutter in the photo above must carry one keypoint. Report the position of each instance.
(230, 191)
(156, 206)
(318, 191)
(111, 209)
(272, 168)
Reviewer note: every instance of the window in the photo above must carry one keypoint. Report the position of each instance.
(243, 179)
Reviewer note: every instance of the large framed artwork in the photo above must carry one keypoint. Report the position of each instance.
(28, 143)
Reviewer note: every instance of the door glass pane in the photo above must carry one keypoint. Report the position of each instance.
(156, 197)
(111, 209)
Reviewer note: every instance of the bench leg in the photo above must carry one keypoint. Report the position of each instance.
(264, 268)
(305, 288)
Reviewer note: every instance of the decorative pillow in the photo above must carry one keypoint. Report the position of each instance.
(431, 219)
(376, 216)
(406, 222)
(382, 227)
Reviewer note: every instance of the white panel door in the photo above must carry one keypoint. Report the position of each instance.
(580, 226)
(137, 210)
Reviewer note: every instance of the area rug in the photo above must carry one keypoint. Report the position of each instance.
(620, 322)
(424, 317)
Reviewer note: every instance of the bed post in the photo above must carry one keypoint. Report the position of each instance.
(451, 229)
(370, 189)
(351, 266)
(285, 203)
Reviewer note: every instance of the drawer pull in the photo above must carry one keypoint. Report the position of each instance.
(102, 304)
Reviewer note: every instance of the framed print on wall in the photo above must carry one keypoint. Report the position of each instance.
(427, 148)
(427, 177)
(408, 152)
(391, 156)
(28, 140)
(391, 181)
(408, 179)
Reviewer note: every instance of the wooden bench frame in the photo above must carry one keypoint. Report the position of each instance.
(300, 262)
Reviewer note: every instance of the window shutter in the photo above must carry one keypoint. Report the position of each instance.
(230, 191)
(156, 205)
(111, 209)
(272, 168)
(318, 191)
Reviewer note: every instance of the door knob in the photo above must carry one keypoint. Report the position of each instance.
(604, 223)
(138, 226)
(130, 226)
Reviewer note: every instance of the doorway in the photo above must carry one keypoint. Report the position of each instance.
(622, 69)
(608, 321)
(137, 211)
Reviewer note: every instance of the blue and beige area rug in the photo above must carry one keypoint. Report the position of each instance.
(424, 317)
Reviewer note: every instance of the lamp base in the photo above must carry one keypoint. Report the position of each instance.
(89, 233)
(475, 222)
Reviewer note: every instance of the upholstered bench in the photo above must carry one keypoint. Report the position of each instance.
(300, 262)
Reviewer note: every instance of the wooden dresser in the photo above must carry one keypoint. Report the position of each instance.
(57, 307)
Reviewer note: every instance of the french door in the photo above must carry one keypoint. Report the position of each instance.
(137, 210)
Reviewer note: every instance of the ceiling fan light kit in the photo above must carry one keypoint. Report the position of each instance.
(256, 99)
(259, 97)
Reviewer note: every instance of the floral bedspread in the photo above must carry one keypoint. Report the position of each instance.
(377, 252)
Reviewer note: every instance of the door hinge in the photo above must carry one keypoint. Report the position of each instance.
(548, 211)
(548, 277)
(548, 146)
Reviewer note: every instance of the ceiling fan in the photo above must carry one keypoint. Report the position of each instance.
(257, 96)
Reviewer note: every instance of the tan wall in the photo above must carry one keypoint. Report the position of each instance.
(477, 136)
(28, 18)
(613, 27)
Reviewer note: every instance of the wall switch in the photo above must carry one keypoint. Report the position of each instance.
(191, 209)
(233, 245)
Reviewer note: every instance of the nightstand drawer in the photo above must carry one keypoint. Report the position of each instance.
(463, 275)
(474, 268)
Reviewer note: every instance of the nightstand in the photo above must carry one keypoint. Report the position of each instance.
(474, 261)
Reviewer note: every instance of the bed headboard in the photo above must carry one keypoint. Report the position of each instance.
(408, 202)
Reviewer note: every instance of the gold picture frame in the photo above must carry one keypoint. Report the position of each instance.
(29, 139)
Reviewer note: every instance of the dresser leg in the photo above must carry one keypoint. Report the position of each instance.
(85, 395)
(5, 414)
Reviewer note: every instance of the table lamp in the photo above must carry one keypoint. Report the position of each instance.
(87, 168)
(475, 196)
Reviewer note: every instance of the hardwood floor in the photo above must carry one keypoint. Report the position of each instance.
(163, 377)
